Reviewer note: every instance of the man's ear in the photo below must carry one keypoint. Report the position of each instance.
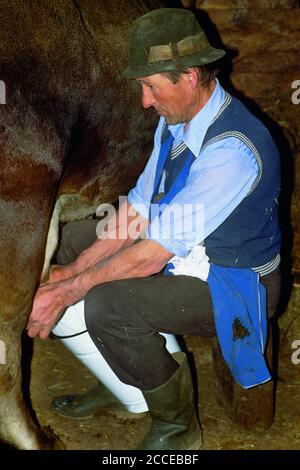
(193, 77)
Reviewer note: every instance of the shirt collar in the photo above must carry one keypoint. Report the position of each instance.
(193, 134)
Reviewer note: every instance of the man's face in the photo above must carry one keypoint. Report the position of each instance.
(176, 102)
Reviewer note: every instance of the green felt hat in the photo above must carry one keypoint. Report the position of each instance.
(165, 40)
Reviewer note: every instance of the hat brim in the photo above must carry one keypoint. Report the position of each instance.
(206, 56)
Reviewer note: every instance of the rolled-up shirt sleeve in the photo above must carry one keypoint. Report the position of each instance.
(219, 179)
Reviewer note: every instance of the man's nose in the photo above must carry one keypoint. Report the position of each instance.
(147, 98)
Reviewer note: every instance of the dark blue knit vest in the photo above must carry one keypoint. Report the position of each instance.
(250, 236)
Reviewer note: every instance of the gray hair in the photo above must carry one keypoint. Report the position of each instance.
(206, 74)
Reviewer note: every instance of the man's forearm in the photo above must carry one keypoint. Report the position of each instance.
(116, 235)
(99, 251)
(140, 260)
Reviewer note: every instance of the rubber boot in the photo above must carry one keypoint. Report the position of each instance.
(110, 395)
(171, 406)
(98, 400)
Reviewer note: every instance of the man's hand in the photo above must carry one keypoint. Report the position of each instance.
(49, 304)
(58, 272)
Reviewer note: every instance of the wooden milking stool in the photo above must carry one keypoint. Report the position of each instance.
(253, 408)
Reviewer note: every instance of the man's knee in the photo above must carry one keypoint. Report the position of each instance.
(109, 309)
(98, 308)
(66, 253)
(75, 238)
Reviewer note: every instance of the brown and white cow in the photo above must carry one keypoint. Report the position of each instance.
(72, 135)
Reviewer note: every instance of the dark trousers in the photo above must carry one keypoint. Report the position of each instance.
(124, 317)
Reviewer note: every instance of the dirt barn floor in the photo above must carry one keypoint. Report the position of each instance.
(55, 371)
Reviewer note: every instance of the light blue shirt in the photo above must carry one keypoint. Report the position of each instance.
(219, 179)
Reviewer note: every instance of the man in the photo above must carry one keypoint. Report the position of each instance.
(206, 207)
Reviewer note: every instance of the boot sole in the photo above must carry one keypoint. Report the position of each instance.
(119, 414)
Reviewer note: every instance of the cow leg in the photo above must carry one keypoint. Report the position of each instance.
(17, 428)
(30, 172)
